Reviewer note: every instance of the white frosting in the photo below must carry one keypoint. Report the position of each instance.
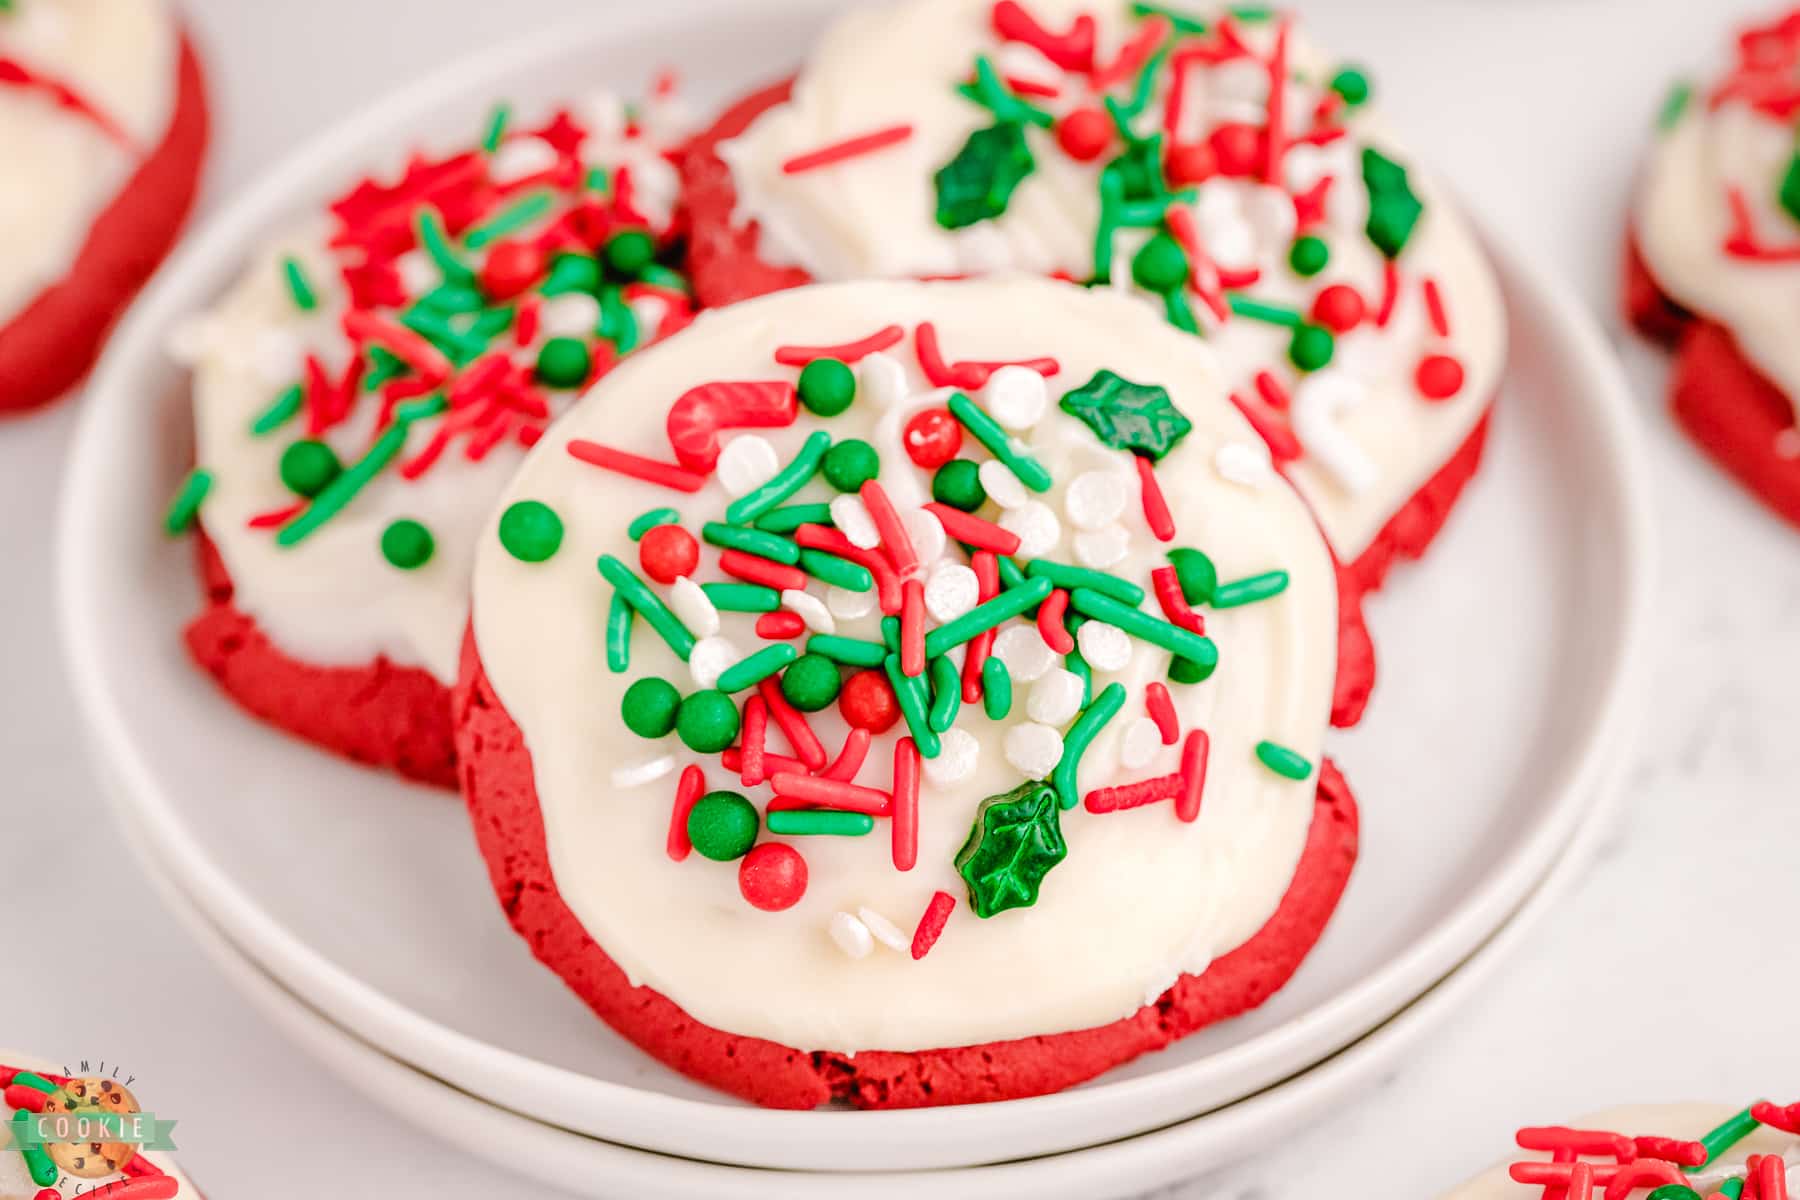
(874, 216)
(333, 599)
(1688, 1121)
(61, 169)
(1140, 898)
(15, 1180)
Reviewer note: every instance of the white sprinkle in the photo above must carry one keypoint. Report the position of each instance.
(812, 610)
(573, 314)
(1101, 548)
(1096, 499)
(882, 379)
(958, 753)
(695, 608)
(648, 771)
(519, 157)
(418, 274)
(1302, 167)
(1016, 397)
(1034, 749)
(854, 522)
(1141, 742)
(604, 115)
(926, 533)
(885, 931)
(1036, 524)
(746, 463)
(710, 658)
(648, 312)
(1319, 401)
(847, 605)
(1026, 655)
(1105, 647)
(1056, 698)
(1244, 463)
(951, 591)
(1001, 485)
(851, 935)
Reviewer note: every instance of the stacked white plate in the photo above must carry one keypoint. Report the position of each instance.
(354, 909)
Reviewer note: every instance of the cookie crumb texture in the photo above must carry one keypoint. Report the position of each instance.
(498, 784)
(380, 714)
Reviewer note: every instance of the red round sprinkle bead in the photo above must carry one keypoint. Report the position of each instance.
(932, 438)
(1339, 308)
(1085, 134)
(1237, 148)
(867, 702)
(511, 268)
(668, 552)
(772, 877)
(1193, 162)
(1439, 377)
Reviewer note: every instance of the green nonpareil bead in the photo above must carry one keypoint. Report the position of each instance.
(811, 682)
(850, 464)
(1160, 265)
(707, 722)
(1308, 255)
(573, 273)
(958, 484)
(564, 363)
(531, 531)
(649, 707)
(406, 544)
(308, 467)
(630, 252)
(1289, 764)
(723, 825)
(827, 386)
(1352, 85)
(1311, 347)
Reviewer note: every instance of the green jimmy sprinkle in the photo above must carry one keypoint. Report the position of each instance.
(1289, 764)
(800, 822)
(1087, 727)
(650, 520)
(990, 434)
(785, 483)
(299, 287)
(618, 634)
(186, 505)
(742, 597)
(793, 516)
(284, 409)
(771, 546)
(749, 672)
(1249, 591)
(649, 605)
(854, 652)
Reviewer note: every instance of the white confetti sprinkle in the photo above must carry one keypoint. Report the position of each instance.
(851, 935)
(951, 591)
(1102, 548)
(1026, 655)
(418, 274)
(882, 379)
(573, 314)
(959, 751)
(1096, 499)
(1244, 463)
(852, 518)
(1036, 524)
(885, 931)
(746, 463)
(1141, 742)
(1105, 647)
(926, 534)
(603, 113)
(710, 658)
(649, 771)
(812, 610)
(847, 605)
(1001, 485)
(649, 312)
(1034, 749)
(1016, 397)
(520, 157)
(694, 607)
(1056, 698)
(1319, 400)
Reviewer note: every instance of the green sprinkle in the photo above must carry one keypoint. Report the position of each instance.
(284, 409)
(854, 652)
(913, 695)
(564, 362)
(619, 617)
(786, 482)
(1251, 590)
(1311, 347)
(1732, 1189)
(946, 694)
(496, 128)
(850, 464)
(707, 721)
(1161, 265)
(1724, 1136)
(1139, 624)
(988, 432)
(630, 251)
(1681, 1191)
(839, 572)
(649, 606)
(786, 520)
(983, 617)
(1288, 764)
(1351, 84)
(771, 546)
(1087, 727)
(418, 410)
(186, 505)
(742, 597)
(344, 487)
(453, 298)
(812, 682)
(722, 826)
(531, 531)
(36, 1082)
(991, 92)
(406, 544)
(1011, 576)
(618, 324)
(1184, 670)
(1180, 312)
(308, 466)
(38, 1164)
(510, 219)
(1078, 667)
(596, 179)
(649, 706)
(1198, 577)
(1181, 22)
(996, 689)
(1273, 314)
(299, 287)
(827, 387)
(573, 273)
(753, 670)
(1788, 195)
(890, 633)
(958, 484)
(437, 244)
(1063, 575)
(1674, 105)
(650, 520)
(817, 822)
(1308, 255)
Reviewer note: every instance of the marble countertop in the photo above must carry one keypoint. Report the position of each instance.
(1665, 974)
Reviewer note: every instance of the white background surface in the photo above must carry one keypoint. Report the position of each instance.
(1670, 973)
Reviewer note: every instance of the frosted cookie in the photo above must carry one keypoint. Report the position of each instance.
(1712, 265)
(917, 701)
(1663, 1151)
(367, 388)
(54, 1169)
(104, 125)
(1218, 169)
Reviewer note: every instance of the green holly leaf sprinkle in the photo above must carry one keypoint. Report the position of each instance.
(1017, 838)
(1128, 416)
(1394, 210)
(978, 183)
(1789, 195)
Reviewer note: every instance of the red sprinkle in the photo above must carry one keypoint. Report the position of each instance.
(1162, 711)
(1687, 1154)
(733, 760)
(16, 74)
(687, 793)
(1390, 293)
(277, 516)
(1309, 206)
(1270, 389)
(973, 530)
(752, 568)
(17, 1095)
(987, 581)
(1283, 446)
(754, 767)
(362, 326)
(1581, 1182)
(1339, 308)
(1785, 1119)
(912, 627)
(804, 791)
(966, 375)
(1193, 775)
(144, 1187)
(931, 925)
(850, 759)
(1277, 100)
(1772, 1175)
(1156, 506)
(905, 830)
(1072, 51)
(932, 437)
(894, 540)
(1085, 133)
(1577, 1141)
(668, 552)
(1434, 308)
(1132, 55)
(695, 419)
(1133, 795)
(648, 469)
(855, 147)
(849, 352)
(793, 724)
(772, 877)
(867, 702)
(1438, 377)
(779, 626)
(1050, 622)
(887, 584)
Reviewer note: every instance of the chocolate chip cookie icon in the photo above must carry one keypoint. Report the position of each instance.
(90, 1096)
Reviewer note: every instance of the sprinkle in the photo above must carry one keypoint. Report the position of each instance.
(850, 934)
(793, 725)
(960, 752)
(996, 689)
(1244, 463)
(1104, 708)
(839, 573)
(1273, 314)
(1105, 647)
(742, 597)
(753, 568)
(811, 610)
(1178, 641)
(1133, 795)
(973, 531)
(1288, 764)
(751, 541)
(1100, 548)
(905, 831)
(855, 147)
(22, 1096)
(1156, 507)
(1064, 576)
(850, 758)
(1034, 749)
(496, 128)
(785, 483)
(1050, 622)
(1001, 485)
(753, 763)
(305, 299)
(951, 591)
(847, 604)
(1390, 293)
(1000, 609)
(687, 794)
(650, 520)
(1434, 308)
(1056, 698)
(748, 464)
(912, 695)
(852, 518)
(696, 418)
(912, 627)
(851, 651)
(342, 489)
(648, 771)
(1026, 655)
(800, 790)
(931, 924)
(710, 658)
(818, 823)
(975, 656)
(988, 432)
(649, 470)
(186, 506)
(894, 539)
(1250, 591)
(1687, 1154)
(694, 606)
(618, 634)
(849, 352)
(284, 408)
(1723, 1136)
(1036, 526)
(946, 684)
(509, 220)
(732, 758)
(1017, 397)
(1162, 710)
(885, 931)
(649, 606)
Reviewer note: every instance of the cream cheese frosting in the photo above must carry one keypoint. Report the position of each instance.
(63, 167)
(1368, 437)
(15, 1178)
(1141, 896)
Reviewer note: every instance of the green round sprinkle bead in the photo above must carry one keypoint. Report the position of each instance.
(1160, 265)
(631, 251)
(307, 466)
(850, 464)
(563, 363)
(811, 682)
(958, 484)
(707, 721)
(576, 273)
(1352, 85)
(1309, 255)
(649, 707)
(1198, 577)
(531, 531)
(723, 826)
(827, 386)
(1311, 347)
(407, 544)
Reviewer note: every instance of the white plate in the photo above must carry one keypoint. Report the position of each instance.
(1503, 668)
(1128, 1167)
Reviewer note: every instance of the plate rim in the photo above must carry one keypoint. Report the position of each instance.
(217, 250)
